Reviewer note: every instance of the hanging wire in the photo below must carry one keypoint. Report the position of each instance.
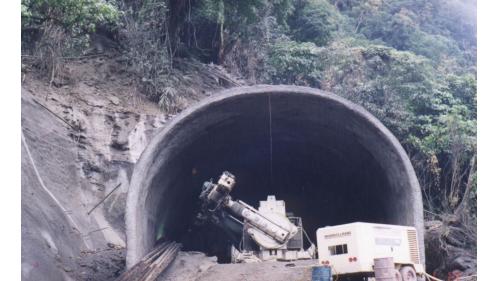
(270, 141)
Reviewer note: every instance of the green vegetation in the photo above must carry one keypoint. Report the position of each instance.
(412, 63)
(293, 62)
(316, 21)
(74, 17)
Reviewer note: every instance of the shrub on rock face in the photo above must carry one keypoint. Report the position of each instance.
(291, 62)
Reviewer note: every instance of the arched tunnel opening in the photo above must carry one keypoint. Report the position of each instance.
(327, 158)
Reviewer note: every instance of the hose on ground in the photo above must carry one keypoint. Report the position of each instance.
(430, 277)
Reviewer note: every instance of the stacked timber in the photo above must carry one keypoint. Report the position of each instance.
(153, 264)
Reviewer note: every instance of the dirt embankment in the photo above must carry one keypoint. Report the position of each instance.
(82, 135)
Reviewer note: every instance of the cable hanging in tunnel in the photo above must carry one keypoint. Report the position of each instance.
(270, 142)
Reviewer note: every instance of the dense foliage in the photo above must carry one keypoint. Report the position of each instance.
(412, 63)
(74, 17)
(316, 21)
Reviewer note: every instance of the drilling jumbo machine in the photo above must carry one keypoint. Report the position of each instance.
(266, 234)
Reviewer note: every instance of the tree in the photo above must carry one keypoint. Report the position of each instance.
(315, 21)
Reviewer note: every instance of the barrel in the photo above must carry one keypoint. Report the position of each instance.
(321, 273)
(384, 269)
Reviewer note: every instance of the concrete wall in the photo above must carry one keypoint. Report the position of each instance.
(329, 159)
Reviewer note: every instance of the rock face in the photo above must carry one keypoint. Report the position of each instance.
(50, 236)
(70, 161)
(450, 250)
(81, 138)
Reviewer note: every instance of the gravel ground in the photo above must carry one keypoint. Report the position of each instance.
(197, 266)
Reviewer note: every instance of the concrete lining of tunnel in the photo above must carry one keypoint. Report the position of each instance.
(164, 163)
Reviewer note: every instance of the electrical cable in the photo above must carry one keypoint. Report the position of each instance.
(457, 279)
(334, 272)
(432, 277)
(270, 140)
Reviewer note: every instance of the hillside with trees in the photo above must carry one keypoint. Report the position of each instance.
(411, 63)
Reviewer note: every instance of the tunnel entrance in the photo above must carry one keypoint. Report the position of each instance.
(328, 159)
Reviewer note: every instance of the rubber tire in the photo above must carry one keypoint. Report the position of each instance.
(398, 275)
(408, 273)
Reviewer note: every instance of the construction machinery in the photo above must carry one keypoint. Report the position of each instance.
(264, 234)
(350, 249)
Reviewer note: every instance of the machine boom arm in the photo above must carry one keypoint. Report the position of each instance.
(280, 231)
(269, 231)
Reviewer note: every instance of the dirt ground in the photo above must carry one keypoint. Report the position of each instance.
(197, 266)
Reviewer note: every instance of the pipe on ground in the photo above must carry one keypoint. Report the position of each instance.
(329, 159)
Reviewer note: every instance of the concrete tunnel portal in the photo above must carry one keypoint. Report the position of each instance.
(329, 159)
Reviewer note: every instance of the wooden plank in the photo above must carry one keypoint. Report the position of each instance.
(153, 264)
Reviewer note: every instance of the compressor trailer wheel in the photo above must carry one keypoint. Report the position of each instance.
(408, 273)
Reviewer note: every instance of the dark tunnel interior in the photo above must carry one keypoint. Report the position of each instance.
(312, 157)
